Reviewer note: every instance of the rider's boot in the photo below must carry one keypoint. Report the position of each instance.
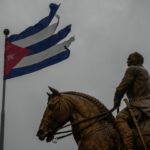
(126, 134)
(129, 143)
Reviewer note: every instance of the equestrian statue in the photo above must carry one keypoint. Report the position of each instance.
(92, 125)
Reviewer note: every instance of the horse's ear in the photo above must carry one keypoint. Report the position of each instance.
(54, 91)
(48, 94)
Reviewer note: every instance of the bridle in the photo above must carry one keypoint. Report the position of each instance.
(69, 132)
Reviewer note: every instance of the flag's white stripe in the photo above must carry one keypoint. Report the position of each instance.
(33, 59)
(35, 38)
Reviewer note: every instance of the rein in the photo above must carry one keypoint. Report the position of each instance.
(97, 117)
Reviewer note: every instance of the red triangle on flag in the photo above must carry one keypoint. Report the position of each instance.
(13, 55)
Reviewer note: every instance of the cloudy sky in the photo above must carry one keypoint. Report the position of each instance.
(106, 32)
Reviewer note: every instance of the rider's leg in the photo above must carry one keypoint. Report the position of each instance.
(122, 123)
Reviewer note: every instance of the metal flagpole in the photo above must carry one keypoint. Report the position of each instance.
(2, 127)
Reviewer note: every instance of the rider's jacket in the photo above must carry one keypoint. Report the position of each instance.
(135, 83)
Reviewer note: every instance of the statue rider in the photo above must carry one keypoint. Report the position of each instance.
(136, 85)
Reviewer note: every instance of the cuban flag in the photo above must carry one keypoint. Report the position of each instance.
(36, 47)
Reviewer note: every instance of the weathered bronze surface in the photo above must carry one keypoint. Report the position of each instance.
(136, 85)
(90, 132)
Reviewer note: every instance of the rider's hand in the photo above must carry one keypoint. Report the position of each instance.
(116, 103)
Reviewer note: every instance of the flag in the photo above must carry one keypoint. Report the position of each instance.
(36, 47)
(37, 27)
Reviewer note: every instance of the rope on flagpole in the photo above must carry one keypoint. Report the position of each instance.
(2, 127)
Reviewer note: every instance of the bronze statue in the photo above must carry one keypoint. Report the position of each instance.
(136, 84)
(93, 125)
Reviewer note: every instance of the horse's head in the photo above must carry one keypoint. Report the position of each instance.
(55, 116)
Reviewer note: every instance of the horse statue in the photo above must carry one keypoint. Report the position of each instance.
(93, 125)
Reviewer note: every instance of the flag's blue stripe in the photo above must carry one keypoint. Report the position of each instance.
(37, 27)
(50, 41)
(29, 69)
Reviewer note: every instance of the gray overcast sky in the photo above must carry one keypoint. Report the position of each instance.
(106, 31)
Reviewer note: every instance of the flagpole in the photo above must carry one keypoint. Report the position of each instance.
(2, 127)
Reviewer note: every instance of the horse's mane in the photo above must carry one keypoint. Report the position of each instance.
(86, 96)
(92, 99)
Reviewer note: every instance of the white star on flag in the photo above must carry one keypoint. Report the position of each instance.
(10, 57)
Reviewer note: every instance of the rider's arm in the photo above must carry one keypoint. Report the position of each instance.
(125, 84)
